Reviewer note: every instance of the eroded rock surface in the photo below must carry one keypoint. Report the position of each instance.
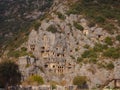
(57, 50)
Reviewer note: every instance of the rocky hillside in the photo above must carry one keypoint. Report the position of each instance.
(75, 38)
(17, 16)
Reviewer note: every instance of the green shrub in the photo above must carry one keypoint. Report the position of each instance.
(93, 60)
(23, 53)
(54, 86)
(79, 59)
(43, 17)
(36, 79)
(74, 9)
(112, 53)
(61, 16)
(78, 26)
(27, 65)
(15, 54)
(23, 49)
(118, 37)
(52, 29)
(16, 42)
(98, 12)
(108, 41)
(76, 49)
(36, 25)
(99, 19)
(110, 66)
(109, 28)
(91, 24)
(72, 56)
(80, 81)
(89, 54)
(101, 65)
(99, 47)
(108, 14)
(19, 53)
(31, 54)
(86, 46)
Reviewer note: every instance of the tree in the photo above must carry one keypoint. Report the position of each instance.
(9, 74)
(80, 81)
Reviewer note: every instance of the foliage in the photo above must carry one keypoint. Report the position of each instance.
(91, 23)
(61, 16)
(109, 28)
(99, 50)
(99, 11)
(108, 41)
(112, 53)
(72, 56)
(30, 54)
(52, 29)
(99, 47)
(19, 53)
(86, 46)
(23, 49)
(78, 26)
(35, 79)
(79, 59)
(17, 41)
(15, 54)
(118, 37)
(9, 73)
(36, 25)
(80, 80)
(75, 9)
(93, 60)
(110, 66)
(89, 54)
(99, 19)
(76, 49)
(54, 86)
(101, 65)
(27, 65)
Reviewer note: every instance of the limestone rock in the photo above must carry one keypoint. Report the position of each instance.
(57, 51)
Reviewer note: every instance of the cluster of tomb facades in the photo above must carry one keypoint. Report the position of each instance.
(52, 50)
(57, 48)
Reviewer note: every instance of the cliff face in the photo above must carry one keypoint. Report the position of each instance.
(67, 44)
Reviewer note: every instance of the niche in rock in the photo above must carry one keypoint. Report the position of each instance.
(32, 47)
(46, 66)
